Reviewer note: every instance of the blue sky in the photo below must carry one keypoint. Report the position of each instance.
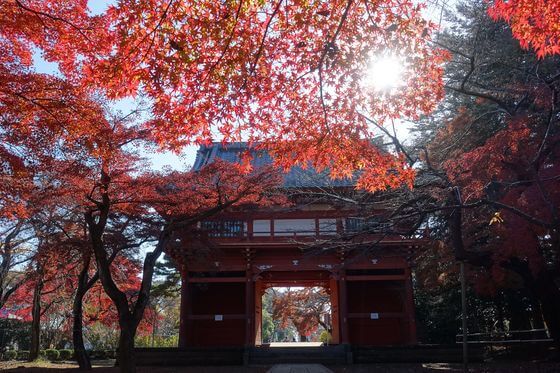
(99, 6)
(159, 160)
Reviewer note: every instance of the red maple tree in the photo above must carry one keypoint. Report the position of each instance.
(304, 308)
(534, 22)
(290, 76)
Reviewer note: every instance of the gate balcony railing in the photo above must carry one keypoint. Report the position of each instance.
(292, 228)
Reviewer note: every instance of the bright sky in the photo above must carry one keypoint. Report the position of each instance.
(99, 6)
(159, 160)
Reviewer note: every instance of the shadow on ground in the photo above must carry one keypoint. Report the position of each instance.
(107, 367)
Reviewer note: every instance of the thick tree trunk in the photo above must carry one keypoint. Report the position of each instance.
(126, 356)
(80, 352)
(77, 313)
(36, 322)
(128, 321)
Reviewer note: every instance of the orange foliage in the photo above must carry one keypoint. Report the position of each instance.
(287, 74)
(536, 23)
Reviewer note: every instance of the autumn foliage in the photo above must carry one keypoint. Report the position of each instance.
(536, 23)
(305, 309)
(289, 75)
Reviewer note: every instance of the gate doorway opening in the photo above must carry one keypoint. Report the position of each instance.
(296, 308)
(296, 316)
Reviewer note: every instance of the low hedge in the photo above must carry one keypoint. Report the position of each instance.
(52, 355)
(66, 354)
(9, 355)
(49, 354)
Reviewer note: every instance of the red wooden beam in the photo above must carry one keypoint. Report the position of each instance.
(377, 278)
(382, 315)
(216, 279)
(212, 317)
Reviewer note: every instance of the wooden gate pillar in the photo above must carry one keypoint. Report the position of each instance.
(335, 310)
(258, 311)
(249, 309)
(409, 307)
(343, 308)
(184, 310)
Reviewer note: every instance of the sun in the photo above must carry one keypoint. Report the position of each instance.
(385, 73)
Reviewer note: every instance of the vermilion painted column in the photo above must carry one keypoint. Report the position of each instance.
(410, 309)
(335, 310)
(343, 308)
(249, 309)
(258, 312)
(183, 321)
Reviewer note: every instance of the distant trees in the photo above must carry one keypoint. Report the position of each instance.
(304, 308)
(500, 150)
(488, 165)
(15, 253)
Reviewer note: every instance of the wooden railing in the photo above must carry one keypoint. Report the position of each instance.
(512, 336)
(247, 228)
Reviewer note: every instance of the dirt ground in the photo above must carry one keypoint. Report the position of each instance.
(106, 366)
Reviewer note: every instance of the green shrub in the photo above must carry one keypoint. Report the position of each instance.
(66, 354)
(52, 354)
(325, 337)
(23, 355)
(42, 354)
(158, 341)
(10, 355)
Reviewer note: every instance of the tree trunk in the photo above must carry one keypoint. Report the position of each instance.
(36, 321)
(549, 297)
(128, 321)
(77, 313)
(126, 356)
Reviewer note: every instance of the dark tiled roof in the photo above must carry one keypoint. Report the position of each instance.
(295, 177)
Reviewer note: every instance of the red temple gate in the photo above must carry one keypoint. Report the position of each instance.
(241, 253)
(371, 297)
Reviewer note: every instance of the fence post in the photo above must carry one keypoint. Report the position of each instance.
(464, 317)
